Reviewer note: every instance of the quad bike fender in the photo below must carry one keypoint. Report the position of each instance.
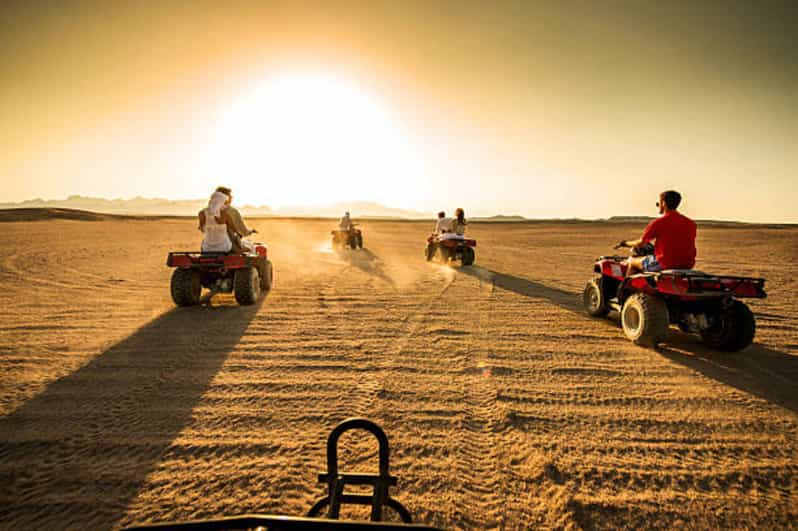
(202, 261)
(611, 268)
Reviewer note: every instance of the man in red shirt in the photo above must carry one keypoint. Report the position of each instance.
(674, 236)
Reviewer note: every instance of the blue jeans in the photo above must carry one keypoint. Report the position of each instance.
(650, 264)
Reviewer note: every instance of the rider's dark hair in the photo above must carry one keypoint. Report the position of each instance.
(225, 190)
(672, 199)
(460, 215)
(441, 214)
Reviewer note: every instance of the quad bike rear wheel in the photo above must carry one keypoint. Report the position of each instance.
(186, 287)
(468, 256)
(593, 298)
(246, 285)
(644, 319)
(733, 328)
(359, 241)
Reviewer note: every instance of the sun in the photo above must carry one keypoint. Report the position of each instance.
(307, 139)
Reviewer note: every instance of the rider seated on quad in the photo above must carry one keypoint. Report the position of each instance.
(455, 228)
(346, 223)
(222, 224)
(442, 225)
(674, 235)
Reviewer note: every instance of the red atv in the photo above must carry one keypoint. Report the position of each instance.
(351, 238)
(447, 246)
(247, 275)
(696, 302)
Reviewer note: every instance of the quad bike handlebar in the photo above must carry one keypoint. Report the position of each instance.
(640, 250)
(335, 481)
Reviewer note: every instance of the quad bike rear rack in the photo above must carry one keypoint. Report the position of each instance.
(336, 481)
(700, 284)
(200, 260)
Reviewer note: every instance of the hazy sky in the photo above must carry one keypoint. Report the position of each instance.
(547, 109)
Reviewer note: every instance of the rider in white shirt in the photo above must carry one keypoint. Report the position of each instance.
(345, 223)
(442, 225)
(214, 229)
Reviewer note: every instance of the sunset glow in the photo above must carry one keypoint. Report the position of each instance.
(539, 109)
(311, 139)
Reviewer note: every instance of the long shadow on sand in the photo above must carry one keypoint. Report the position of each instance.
(76, 455)
(758, 370)
(368, 262)
(527, 288)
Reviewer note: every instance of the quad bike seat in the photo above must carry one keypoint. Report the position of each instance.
(677, 272)
(684, 272)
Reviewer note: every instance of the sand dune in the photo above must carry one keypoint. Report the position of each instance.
(505, 405)
(49, 214)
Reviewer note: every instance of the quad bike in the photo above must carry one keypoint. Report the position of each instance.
(335, 482)
(352, 238)
(697, 302)
(446, 247)
(247, 275)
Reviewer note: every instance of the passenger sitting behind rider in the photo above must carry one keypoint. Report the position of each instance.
(227, 215)
(674, 236)
(459, 224)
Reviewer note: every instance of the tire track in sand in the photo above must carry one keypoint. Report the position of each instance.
(478, 452)
(492, 498)
(400, 339)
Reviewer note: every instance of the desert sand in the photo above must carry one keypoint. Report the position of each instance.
(505, 405)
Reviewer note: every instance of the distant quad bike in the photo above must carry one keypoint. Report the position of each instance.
(248, 275)
(352, 238)
(696, 302)
(450, 247)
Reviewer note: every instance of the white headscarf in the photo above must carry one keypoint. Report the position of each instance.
(216, 203)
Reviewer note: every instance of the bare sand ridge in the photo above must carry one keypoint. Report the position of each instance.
(505, 405)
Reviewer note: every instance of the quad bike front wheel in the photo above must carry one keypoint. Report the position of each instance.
(733, 328)
(186, 287)
(594, 299)
(429, 252)
(644, 319)
(266, 276)
(246, 285)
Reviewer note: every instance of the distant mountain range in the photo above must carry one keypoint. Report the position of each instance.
(138, 206)
(357, 209)
(141, 206)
